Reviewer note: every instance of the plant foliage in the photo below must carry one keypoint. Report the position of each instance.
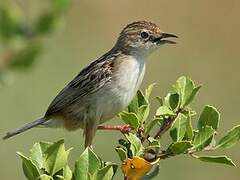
(22, 41)
(140, 150)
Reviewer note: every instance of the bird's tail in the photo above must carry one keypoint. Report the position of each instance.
(25, 128)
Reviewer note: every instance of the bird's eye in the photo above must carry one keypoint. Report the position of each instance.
(144, 35)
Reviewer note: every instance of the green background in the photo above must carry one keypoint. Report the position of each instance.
(207, 51)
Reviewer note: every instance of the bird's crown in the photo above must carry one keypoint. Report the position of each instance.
(142, 37)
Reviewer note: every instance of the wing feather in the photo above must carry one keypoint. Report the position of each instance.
(89, 80)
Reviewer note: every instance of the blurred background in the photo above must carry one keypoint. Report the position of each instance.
(69, 36)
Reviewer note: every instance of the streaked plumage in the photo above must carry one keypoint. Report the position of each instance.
(106, 86)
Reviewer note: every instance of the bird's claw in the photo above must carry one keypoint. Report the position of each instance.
(125, 129)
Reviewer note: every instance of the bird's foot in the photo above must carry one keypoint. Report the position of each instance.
(122, 128)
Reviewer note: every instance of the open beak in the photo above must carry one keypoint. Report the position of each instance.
(163, 38)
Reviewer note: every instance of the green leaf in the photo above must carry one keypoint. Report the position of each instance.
(44, 177)
(122, 153)
(189, 129)
(153, 143)
(151, 124)
(126, 145)
(149, 89)
(29, 168)
(56, 157)
(192, 96)
(192, 113)
(88, 163)
(164, 111)
(138, 101)
(138, 111)
(209, 117)
(203, 138)
(186, 89)
(37, 153)
(136, 145)
(26, 57)
(143, 113)
(59, 177)
(67, 173)
(133, 106)
(129, 118)
(106, 173)
(141, 99)
(160, 100)
(178, 129)
(179, 147)
(140, 106)
(8, 24)
(231, 138)
(171, 100)
(216, 159)
(45, 145)
(45, 23)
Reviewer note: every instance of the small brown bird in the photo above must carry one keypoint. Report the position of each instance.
(105, 87)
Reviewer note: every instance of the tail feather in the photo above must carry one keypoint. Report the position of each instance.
(24, 128)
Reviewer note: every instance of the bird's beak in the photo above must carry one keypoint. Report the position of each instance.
(163, 38)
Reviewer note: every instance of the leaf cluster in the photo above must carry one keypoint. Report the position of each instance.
(21, 38)
(140, 149)
(48, 161)
(174, 115)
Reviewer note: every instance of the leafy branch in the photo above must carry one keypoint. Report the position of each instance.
(140, 150)
(23, 40)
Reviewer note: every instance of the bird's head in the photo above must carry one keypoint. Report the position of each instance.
(143, 37)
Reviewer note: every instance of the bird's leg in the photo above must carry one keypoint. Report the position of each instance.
(122, 128)
(88, 137)
(89, 132)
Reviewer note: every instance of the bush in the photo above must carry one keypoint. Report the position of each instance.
(23, 41)
(140, 149)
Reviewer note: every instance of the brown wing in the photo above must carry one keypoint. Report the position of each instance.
(88, 81)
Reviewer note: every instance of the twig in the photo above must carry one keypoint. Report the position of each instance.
(167, 123)
(165, 126)
(191, 152)
(165, 154)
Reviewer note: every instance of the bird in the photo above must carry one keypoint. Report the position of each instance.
(106, 86)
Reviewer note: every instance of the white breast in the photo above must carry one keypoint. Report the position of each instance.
(129, 78)
(126, 80)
